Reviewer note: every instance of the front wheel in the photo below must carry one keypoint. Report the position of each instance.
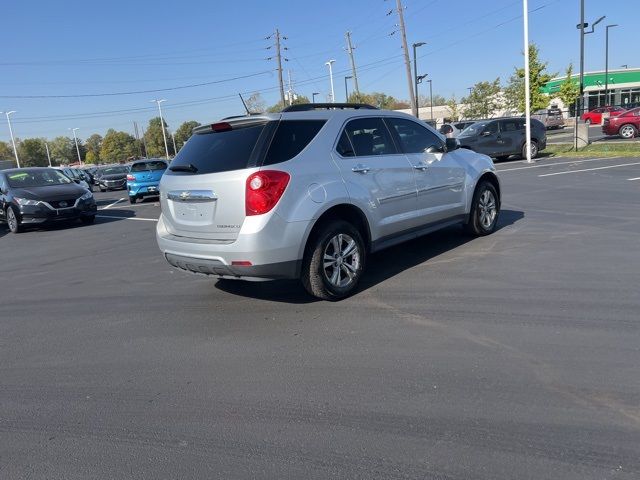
(628, 131)
(534, 149)
(13, 221)
(485, 210)
(88, 220)
(334, 261)
(588, 121)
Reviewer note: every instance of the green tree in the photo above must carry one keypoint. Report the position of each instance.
(63, 150)
(183, 133)
(377, 99)
(6, 152)
(32, 153)
(278, 106)
(117, 146)
(425, 100)
(569, 89)
(483, 100)
(92, 146)
(155, 141)
(538, 78)
(454, 110)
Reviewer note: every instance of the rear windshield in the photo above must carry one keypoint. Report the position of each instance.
(244, 147)
(114, 170)
(218, 151)
(145, 166)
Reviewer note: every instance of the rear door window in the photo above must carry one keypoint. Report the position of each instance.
(215, 152)
(290, 138)
(511, 125)
(369, 136)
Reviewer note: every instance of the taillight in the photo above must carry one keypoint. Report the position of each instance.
(131, 178)
(263, 190)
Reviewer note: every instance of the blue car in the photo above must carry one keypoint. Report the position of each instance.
(144, 177)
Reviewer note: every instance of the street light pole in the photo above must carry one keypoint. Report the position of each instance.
(431, 97)
(329, 64)
(164, 134)
(77, 148)
(415, 76)
(527, 93)
(606, 65)
(313, 96)
(46, 147)
(13, 142)
(346, 90)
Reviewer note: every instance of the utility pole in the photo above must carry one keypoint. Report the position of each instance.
(76, 140)
(144, 142)
(606, 67)
(175, 150)
(582, 26)
(407, 62)
(164, 134)
(279, 59)
(13, 141)
(353, 63)
(135, 130)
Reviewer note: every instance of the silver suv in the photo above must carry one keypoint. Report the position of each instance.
(310, 192)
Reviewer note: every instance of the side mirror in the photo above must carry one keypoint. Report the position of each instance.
(434, 149)
(77, 180)
(486, 133)
(452, 144)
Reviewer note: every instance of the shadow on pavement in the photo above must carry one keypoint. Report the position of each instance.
(381, 265)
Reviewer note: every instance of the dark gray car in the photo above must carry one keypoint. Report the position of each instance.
(503, 137)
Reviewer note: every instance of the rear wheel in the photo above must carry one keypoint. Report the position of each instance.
(13, 220)
(534, 149)
(485, 210)
(588, 121)
(628, 131)
(334, 261)
(133, 199)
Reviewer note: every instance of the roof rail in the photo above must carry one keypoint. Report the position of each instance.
(305, 107)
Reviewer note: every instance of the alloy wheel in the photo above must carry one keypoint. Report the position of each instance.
(487, 209)
(627, 131)
(341, 260)
(12, 221)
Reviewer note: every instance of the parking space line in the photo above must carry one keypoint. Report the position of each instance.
(559, 163)
(632, 179)
(112, 204)
(589, 169)
(128, 218)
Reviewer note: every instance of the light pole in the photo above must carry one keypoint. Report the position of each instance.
(164, 134)
(46, 147)
(431, 97)
(606, 65)
(13, 142)
(77, 148)
(581, 26)
(313, 96)
(415, 76)
(346, 90)
(625, 66)
(329, 64)
(527, 92)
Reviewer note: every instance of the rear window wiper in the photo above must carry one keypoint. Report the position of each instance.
(184, 168)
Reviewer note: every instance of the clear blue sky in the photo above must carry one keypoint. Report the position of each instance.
(78, 47)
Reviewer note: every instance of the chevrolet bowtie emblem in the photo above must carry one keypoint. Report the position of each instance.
(185, 195)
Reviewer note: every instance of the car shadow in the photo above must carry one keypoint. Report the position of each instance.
(381, 265)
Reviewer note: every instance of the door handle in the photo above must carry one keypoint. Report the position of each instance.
(421, 166)
(360, 168)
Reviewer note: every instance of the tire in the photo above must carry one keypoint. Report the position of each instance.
(326, 279)
(133, 199)
(485, 201)
(628, 131)
(103, 189)
(588, 121)
(88, 220)
(502, 158)
(534, 149)
(13, 220)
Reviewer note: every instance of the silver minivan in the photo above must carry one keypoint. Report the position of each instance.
(312, 191)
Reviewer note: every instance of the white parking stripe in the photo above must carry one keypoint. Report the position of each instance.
(589, 169)
(559, 163)
(128, 218)
(632, 179)
(112, 204)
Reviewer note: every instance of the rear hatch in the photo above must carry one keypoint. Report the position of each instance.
(149, 171)
(203, 191)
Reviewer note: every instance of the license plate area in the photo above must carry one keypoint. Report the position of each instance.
(195, 213)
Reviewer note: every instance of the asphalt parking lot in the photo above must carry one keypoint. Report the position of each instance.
(513, 356)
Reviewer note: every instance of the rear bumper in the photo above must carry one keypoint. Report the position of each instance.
(143, 189)
(272, 247)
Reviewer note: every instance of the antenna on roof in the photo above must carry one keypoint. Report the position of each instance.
(243, 103)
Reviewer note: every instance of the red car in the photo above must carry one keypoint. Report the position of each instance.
(595, 115)
(626, 125)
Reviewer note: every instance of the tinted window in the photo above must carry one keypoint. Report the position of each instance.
(152, 165)
(291, 137)
(444, 129)
(414, 138)
(344, 146)
(511, 125)
(219, 151)
(369, 136)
